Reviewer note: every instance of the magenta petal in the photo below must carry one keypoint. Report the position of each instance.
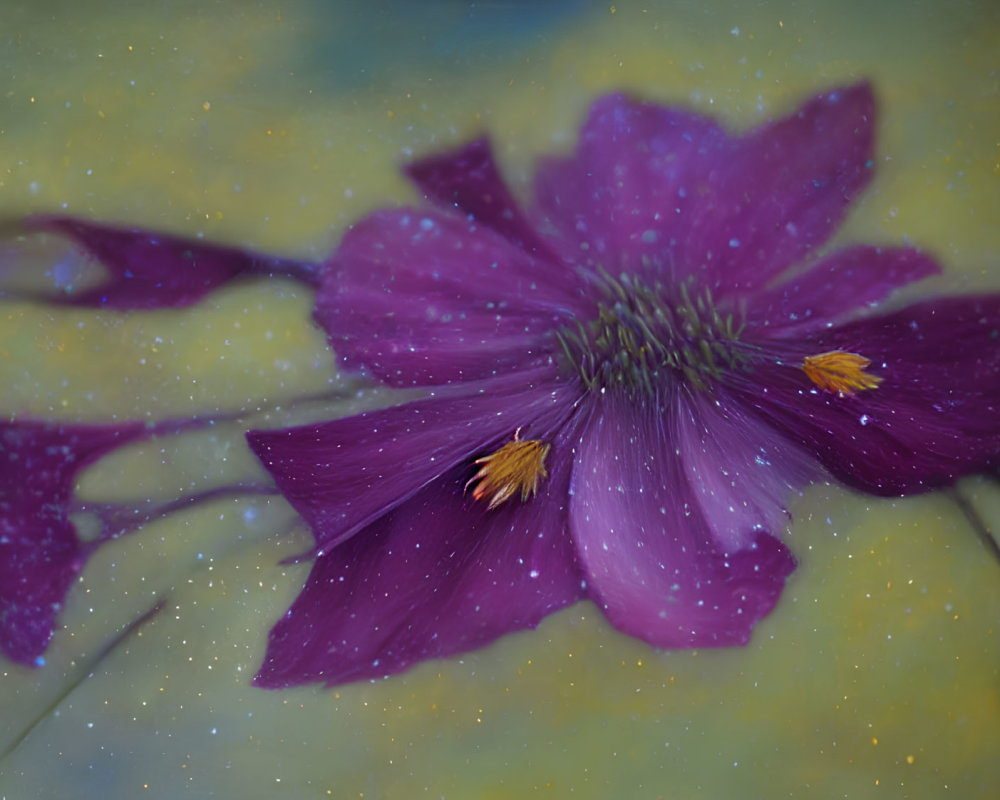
(652, 561)
(40, 554)
(466, 178)
(152, 270)
(656, 185)
(932, 420)
(439, 575)
(624, 196)
(845, 282)
(784, 191)
(425, 298)
(741, 473)
(344, 474)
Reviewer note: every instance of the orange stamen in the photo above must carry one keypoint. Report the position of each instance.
(841, 372)
(516, 466)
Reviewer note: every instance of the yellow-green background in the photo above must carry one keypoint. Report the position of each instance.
(273, 125)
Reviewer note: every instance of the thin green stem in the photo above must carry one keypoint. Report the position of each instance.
(85, 671)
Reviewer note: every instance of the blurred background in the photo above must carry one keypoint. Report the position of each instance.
(273, 125)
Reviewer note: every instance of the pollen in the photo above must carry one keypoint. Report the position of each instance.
(840, 371)
(514, 468)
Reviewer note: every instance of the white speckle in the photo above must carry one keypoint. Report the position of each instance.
(735, 31)
(864, 419)
(533, 574)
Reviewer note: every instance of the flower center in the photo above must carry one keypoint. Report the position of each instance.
(646, 337)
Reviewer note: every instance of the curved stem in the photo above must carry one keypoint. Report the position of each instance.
(85, 671)
(983, 531)
(118, 520)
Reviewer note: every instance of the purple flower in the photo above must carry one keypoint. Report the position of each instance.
(624, 384)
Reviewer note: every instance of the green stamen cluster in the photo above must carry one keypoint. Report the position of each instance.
(644, 338)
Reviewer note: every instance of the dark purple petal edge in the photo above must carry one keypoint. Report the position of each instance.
(40, 552)
(467, 179)
(438, 575)
(152, 270)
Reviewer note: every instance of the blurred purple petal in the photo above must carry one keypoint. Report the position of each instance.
(668, 187)
(418, 297)
(438, 575)
(652, 562)
(466, 178)
(784, 191)
(344, 474)
(40, 553)
(627, 191)
(934, 418)
(845, 282)
(153, 270)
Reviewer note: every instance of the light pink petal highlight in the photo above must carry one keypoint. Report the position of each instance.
(652, 562)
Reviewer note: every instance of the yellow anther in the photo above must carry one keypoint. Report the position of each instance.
(841, 372)
(515, 467)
